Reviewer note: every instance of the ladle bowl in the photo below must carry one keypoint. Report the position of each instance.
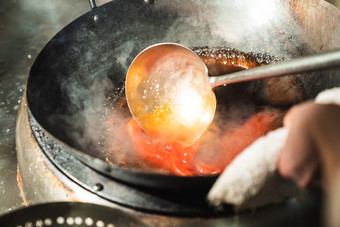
(170, 94)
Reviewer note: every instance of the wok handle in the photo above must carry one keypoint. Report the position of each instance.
(93, 4)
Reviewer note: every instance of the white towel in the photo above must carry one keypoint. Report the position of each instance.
(253, 173)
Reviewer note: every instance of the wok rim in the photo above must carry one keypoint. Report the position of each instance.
(85, 158)
(89, 160)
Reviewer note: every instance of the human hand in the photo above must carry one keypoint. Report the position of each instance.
(312, 145)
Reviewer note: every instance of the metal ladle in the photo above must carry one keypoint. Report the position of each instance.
(170, 94)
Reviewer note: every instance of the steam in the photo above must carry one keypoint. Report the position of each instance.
(94, 92)
(231, 133)
(55, 14)
(285, 29)
(247, 26)
(125, 51)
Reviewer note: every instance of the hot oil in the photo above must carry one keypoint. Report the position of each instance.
(220, 61)
(241, 117)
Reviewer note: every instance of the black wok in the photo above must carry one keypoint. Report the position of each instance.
(85, 64)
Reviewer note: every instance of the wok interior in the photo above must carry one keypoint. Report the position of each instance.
(76, 84)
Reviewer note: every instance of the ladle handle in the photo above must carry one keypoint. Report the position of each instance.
(317, 62)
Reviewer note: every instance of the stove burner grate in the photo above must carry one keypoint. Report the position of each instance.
(69, 214)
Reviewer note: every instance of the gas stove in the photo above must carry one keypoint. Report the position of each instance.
(36, 174)
(49, 174)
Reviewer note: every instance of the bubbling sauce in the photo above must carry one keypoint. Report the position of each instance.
(220, 61)
(240, 119)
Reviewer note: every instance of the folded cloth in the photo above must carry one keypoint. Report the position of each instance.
(252, 180)
(330, 96)
(248, 181)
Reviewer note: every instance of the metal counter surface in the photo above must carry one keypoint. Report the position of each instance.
(25, 27)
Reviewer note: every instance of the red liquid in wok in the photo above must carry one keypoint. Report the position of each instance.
(181, 160)
(219, 145)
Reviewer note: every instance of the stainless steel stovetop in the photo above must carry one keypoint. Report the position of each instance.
(25, 27)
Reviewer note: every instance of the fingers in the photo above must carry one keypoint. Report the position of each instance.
(297, 113)
(298, 158)
(302, 173)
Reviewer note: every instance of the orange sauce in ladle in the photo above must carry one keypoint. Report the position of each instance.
(169, 93)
